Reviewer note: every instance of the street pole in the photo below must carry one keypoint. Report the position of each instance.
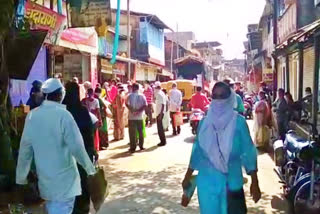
(128, 39)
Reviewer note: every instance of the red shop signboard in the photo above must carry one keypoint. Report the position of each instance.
(42, 18)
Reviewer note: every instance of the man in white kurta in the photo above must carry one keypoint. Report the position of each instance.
(175, 101)
(51, 136)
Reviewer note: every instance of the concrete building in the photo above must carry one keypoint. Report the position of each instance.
(185, 39)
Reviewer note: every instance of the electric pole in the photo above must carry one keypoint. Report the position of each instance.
(128, 40)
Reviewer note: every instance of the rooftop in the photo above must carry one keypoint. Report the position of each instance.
(151, 18)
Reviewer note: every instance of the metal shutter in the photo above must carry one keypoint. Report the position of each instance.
(308, 67)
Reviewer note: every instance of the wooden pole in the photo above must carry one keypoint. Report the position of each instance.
(300, 94)
(287, 74)
(128, 39)
(315, 86)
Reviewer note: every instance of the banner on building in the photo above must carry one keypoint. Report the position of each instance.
(85, 13)
(118, 68)
(42, 18)
(267, 75)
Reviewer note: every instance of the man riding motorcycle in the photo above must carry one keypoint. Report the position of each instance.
(199, 104)
(199, 100)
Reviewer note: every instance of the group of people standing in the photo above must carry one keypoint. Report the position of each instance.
(139, 103)
(276, 115)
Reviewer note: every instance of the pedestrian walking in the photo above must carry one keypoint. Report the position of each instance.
(166, 117)
(175, 101)
(239, 106)
(262, 121)
(113, 91)
(238, 90)
(36, 95)
(160, 110)
(52, 138)
(136, 104)
(118, 114)
(103, 130)
(86, 127)
(223, 145)
(281, 108)
(93, 106)
(291, 106)
(148, 93)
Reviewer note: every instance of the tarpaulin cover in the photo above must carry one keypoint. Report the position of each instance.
(20, 89)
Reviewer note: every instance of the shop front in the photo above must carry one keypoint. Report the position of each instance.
(164, 75)
(110, 71)
(46, 27)
(76, 55)
(146, 72)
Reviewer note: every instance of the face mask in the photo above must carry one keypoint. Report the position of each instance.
(63, 95)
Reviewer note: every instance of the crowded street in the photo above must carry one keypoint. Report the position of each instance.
(149, 182)
(159, 107)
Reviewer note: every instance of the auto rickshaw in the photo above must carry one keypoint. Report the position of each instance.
(187, 88)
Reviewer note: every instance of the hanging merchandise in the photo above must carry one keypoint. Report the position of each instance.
(116, 37)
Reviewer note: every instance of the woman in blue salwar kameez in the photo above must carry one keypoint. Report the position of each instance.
(223, 145)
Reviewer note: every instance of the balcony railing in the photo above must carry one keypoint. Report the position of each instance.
(287, 23)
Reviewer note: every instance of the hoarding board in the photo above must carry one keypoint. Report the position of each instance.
(42, 18)
(85, 13)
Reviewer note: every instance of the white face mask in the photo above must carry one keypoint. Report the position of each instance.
(63, 95)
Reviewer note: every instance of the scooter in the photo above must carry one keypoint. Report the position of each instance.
(195, 118)
(298, 167)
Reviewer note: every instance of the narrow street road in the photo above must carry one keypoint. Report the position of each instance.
(149, 182)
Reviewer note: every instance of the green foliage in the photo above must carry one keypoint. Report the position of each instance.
(6, 16)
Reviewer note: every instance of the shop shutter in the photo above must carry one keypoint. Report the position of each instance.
(293, 75)
(308, 67)
(279, 72)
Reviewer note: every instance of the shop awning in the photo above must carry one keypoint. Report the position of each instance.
(81, 39)
(166, 73)
(123, 59)
(188, 59)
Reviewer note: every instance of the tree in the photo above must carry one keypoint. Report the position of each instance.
(6, 20)
(7, 163)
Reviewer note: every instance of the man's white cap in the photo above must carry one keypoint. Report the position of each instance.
(51, 85)
(157, 84)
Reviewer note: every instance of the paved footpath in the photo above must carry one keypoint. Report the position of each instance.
(149, 182)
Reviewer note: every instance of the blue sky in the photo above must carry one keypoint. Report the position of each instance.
(211, 20)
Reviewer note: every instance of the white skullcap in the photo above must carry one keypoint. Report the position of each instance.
(157, 84)
(87, 85)
(51, 85)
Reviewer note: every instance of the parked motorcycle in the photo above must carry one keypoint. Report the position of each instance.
(195, 118)
(298, 167)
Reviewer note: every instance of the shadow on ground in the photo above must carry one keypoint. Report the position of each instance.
(189, 139)
(148, 192)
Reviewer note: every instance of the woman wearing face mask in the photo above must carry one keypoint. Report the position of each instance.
(262, 116)
(223, 145)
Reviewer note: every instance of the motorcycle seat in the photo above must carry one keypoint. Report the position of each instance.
(295, 143)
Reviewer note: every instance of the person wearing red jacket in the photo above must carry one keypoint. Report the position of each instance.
(199, 100)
